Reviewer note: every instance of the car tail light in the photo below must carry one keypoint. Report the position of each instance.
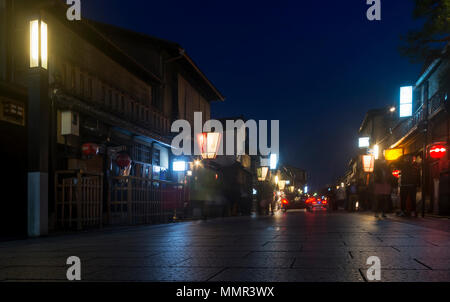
(284, 201)
(310, 200)
(325, 202)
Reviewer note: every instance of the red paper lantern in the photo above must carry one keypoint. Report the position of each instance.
(368, 163)
(438, 151)
(123, 160)
(208, 143)
(396, 173)
(89, 149)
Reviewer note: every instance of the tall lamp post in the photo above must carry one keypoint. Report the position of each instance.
(38, 112)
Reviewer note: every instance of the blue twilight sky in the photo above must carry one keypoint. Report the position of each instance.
(317, 66)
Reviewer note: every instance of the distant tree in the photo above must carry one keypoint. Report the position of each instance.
(428, 42)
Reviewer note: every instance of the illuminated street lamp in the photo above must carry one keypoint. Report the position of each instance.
(262, 173)
(38, 44)
(276, 179)
(209, 144)
(368, 163)
(376, 151)
(38, 125)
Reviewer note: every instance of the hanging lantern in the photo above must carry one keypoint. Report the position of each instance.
(89, 149)
(123, 160)
(368, 163)
(262, 173)
(209, 144)
(438, 151)
(396, 173)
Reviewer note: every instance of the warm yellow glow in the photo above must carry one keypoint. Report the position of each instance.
(368, 163)
(393, 154)
(209, 144)
(376, 151)
(262, 173)
(34, 43)
(38, 44)
(44, 38)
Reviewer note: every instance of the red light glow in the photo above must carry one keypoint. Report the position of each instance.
(396, 173)
(437, 151)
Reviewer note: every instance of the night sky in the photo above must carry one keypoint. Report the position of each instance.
(317, 66)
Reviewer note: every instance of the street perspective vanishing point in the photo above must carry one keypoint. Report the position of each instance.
(225, 149)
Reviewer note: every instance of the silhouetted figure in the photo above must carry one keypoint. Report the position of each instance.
(382, 187)
(409, 181)
(352, 197)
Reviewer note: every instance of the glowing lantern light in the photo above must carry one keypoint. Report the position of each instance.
(89, 149)
(209, 144)
(368, 163)
(437, 151)
(262, 173)
(393, 154)
(38, 44)
(376, 151)
(123, 160)
(396, 173)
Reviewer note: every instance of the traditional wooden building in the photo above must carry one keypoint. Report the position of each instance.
(412, 137)
(93, 119)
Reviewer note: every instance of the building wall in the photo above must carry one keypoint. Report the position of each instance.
(190, 101)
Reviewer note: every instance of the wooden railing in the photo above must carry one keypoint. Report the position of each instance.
(435, 102)
(136, 200)
(78, 199)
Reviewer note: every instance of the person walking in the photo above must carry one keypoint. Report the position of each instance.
(382, 187)
(409, 181)
(340, 197)
(353, 197)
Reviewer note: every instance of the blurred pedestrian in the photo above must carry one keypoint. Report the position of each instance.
(382, 187)
(331, 195)
(409, 181)
(341, 196)
(353, 197)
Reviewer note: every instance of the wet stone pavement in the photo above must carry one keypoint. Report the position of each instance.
(296, 247)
